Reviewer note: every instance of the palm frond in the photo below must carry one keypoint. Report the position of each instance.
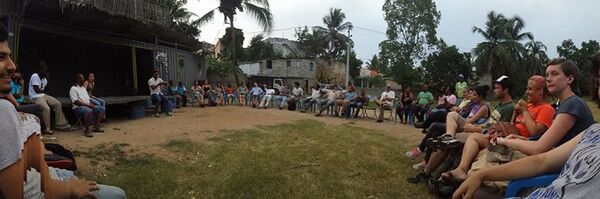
(263, 16)
(209, 16)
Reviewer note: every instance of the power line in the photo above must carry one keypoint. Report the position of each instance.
(370, 30)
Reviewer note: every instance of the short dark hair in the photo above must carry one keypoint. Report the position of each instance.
(3, 34)
(481, 90)
(505, 84)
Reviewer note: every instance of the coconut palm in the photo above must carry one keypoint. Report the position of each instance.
(335, 24)
(501, 51)
(259, 9)
(536, 56)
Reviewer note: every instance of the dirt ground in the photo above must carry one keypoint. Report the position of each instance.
(199, 124)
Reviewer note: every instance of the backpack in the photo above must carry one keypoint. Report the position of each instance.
(291, 106)
(60, 158)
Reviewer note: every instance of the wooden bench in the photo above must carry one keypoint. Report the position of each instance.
(136, 104)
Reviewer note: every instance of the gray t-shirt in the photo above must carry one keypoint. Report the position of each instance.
(14, 131)
(579, 177)
(576, 107)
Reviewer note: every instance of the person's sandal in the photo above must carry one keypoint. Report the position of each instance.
(98, 130)
(48, 132)
(66, 128)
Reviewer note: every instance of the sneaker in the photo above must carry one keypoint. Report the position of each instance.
(379, 121)
(419, 166)
(88, 133)
(169, 113)
(156, 114)
(419, 178)
(415, 153)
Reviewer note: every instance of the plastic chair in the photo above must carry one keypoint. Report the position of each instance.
(534, 182)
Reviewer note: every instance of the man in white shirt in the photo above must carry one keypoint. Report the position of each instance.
(83, 107)
(309, 101)
(38, 95)
(296, 95)
(385, 102)
(332, 95)
(157, 96)
(266, 99)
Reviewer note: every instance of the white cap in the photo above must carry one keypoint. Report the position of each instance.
(502, 78)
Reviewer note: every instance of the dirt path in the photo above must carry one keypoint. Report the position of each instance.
(199, 124)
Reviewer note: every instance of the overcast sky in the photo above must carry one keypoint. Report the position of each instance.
(550, 21)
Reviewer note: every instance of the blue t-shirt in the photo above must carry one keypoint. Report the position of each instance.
(181, 90)
(15, 88)
(576, 107)
(350, 95)
(256, 91)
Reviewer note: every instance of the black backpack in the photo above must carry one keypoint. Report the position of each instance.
(61, 157)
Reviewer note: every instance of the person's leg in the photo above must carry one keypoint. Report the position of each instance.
(358, 106)
(87, 119)
(166, 105)
(454, 123)
(283, 102)
(408, 111)
(268, 100)
(156, 101)
(437, 157)
(438, 116)
(58, 113)
(475, 143)
(99, 113)
(109, 192)
(36, 110)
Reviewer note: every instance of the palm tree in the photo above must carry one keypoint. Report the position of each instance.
(335, 24)
(501, 51)
(536, 56)
(259, 9)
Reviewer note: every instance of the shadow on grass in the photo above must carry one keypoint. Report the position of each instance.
(303, 159)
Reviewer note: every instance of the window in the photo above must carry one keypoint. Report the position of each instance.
(311, 66)
(269, 64)
(288, 63)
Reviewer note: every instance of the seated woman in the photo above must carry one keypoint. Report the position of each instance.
(440, 116)
(207, 94)
(530, 118)
(242, 90)
(478, 114)
(196, 93)
(572, 114)
(220, 91)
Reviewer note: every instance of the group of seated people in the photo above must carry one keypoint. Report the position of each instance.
(90, 109)
(24, 172)
(473, 150)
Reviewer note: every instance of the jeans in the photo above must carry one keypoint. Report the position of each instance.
(161, 99)
(308, 102)
(357, 105)
(36, 110)
(323, 105)
(104, 191)
(81, 111)
(98, 102)
(281, 100)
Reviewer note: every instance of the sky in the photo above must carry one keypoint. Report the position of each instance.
(550, 21)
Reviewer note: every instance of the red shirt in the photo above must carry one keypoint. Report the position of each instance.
(541, 113)
(228, 90)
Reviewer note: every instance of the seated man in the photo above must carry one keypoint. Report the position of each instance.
(38, 95)
(256, 91)
(281, 98)
(361, 100)
(181, 92)
(23, 169)
(154, 84)
(349, 98)
(297, 94)
(266, 99)
(17, 98)
(84, 108)
(309, 101)
(332, 95)
(385, 102)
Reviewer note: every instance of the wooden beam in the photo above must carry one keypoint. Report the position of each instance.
(134, 67)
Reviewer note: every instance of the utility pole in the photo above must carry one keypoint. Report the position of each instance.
(348, 58)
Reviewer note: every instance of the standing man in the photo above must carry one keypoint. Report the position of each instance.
(385, 102)
(84, 108)
(157, 96)
(460, 87)
(38, 95)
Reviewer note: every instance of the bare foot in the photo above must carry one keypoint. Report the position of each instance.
(454, 176)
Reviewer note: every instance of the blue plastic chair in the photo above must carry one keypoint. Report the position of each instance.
(534, 182)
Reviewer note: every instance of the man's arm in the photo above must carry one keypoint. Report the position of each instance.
(37, 89)
(12, 177)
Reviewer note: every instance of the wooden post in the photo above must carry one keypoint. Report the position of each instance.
(134, 68)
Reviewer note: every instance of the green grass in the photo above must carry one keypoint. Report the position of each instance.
(304, 159)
